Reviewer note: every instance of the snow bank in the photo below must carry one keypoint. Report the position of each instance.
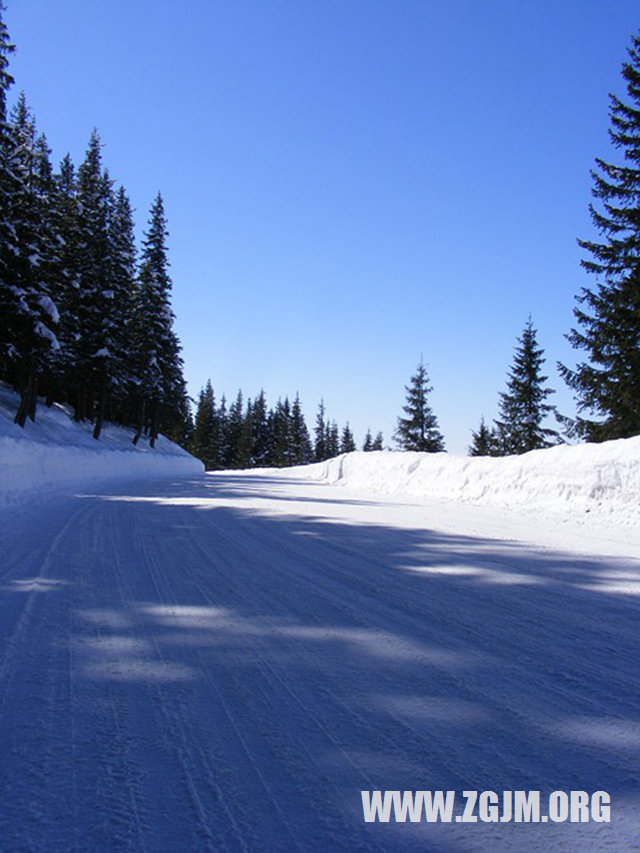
(603, 479)
(56, 452)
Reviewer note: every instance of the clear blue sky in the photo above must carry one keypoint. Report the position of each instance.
(349, 183)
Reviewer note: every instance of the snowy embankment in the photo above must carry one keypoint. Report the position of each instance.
(601, 479)
(54, 451)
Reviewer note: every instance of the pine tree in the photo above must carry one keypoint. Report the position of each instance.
(608, 315)
(484, 442)
(65, 209)
(347, 442)
(282, 434)
(419, 429)
(522, 407)
(162, 395)
(92, 351)
(222, 421)
(124, 287)
(9, 184)
(367, 445)
(204, 427)
(235, 421)
(34, 338)
(332, 440)
(243, 456)
(378, 442)
(261, 438)
(301, 452)
(320, 446)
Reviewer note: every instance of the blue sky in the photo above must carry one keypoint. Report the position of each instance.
(349, 184)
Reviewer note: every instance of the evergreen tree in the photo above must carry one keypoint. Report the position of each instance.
(347, 442)
(261, 438)
(367, 445)
(65, 210)
(320, 446)
(608, 315)
(522, 407)
(484, 442)
(243, 456)
(301, 452)
(235, 421)
(282, 434)
(204, 428)
(378, 442)
(162, 395)
(93, 350)
(10, 297)
(124, 288)
(419, 429)
(33, 335)
(222, 421)
(332, 440)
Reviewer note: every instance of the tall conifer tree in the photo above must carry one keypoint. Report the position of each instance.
(419, 429)
(162, 391)
(523, 409)
(9, 184)
(608, 315)
(34, 337)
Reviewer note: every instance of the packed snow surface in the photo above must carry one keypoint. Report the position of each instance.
(53, 452)
(224, 663)
(603, 479)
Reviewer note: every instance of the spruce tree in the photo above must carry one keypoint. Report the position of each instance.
(301, 452)
(243, 456)
(347, 442)
(162, 396)
(33, 333)
(378, 442)
(332, 440)
(367, 445)
(608, 315)
(124, 288)
(282, 434)
(9, 184)
(320, 446)
(523, 409)
(66, 213)
(204, 426)
(261, 438)
(484, 442)
(419, 429)
(92, 351)
(235, 421)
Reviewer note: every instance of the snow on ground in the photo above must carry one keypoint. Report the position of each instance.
(224, 663)
(54, 451)
(602, 479)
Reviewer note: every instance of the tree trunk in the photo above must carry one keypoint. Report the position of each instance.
(154, 424)
(97, 429)
(143, 407)
(33, 395)
(28, 399)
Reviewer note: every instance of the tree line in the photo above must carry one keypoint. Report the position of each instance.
(252, 435)
(606, 386)
(85, 319)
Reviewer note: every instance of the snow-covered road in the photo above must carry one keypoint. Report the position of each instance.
(224, 663)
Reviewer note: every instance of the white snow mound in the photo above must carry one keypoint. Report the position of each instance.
(600, 478)
(54, 451)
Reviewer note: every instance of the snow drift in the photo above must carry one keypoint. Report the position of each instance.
(603, 479)
(55, 451)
